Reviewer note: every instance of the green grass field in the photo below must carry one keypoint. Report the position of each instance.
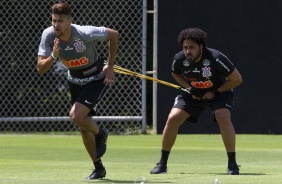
(199, 159)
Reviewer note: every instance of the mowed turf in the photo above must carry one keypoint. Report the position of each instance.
(199, 159)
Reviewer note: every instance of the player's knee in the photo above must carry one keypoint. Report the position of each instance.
(83, 131)
(222, 116)
(76, 118)
(173, 120)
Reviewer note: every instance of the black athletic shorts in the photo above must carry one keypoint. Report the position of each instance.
(196, 107)
(88, 94)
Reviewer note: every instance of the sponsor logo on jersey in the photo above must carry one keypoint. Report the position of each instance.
(191, 79)
(76, 38)
(206, 62)
(186, 62)
(76, 62)
(69, 48)
(186, 72)
(91, 70)
(202, 84)
(196, 70)
(96, 34)
(79, 46)
(206, 72)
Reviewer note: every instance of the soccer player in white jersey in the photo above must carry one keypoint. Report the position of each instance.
(88, 75)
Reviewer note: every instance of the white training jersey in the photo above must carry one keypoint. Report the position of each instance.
(80, 51)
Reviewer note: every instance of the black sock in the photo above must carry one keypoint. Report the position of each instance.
(100, 134)
(231, 157)
(98, 165)
(164, 157)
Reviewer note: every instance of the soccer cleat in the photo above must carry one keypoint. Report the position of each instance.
(97, 174)
(159, 169)
(101, 145)
(233, 169)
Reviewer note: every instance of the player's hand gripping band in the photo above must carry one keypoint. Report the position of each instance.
(124, 71)
(198, 92)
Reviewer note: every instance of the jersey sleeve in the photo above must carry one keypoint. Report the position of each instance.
(45, 47)
(176, 68)
(93, 33)
(226, 66)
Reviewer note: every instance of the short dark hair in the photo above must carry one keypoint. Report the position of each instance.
(61, 9)
(195, 34)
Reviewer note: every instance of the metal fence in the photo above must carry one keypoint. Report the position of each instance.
(30, 103)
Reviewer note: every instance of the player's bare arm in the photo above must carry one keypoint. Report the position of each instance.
(113, 45)
(181, 80)
(233, 80)
(44, 63)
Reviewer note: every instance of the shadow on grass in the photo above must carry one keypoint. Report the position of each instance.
(148, 181)
(250, 174)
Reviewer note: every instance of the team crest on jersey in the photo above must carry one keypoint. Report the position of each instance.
(79, 46)
(206, 62)
(186, 62)
(206, 72)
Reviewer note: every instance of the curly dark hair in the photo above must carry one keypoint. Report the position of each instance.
(195, 34)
